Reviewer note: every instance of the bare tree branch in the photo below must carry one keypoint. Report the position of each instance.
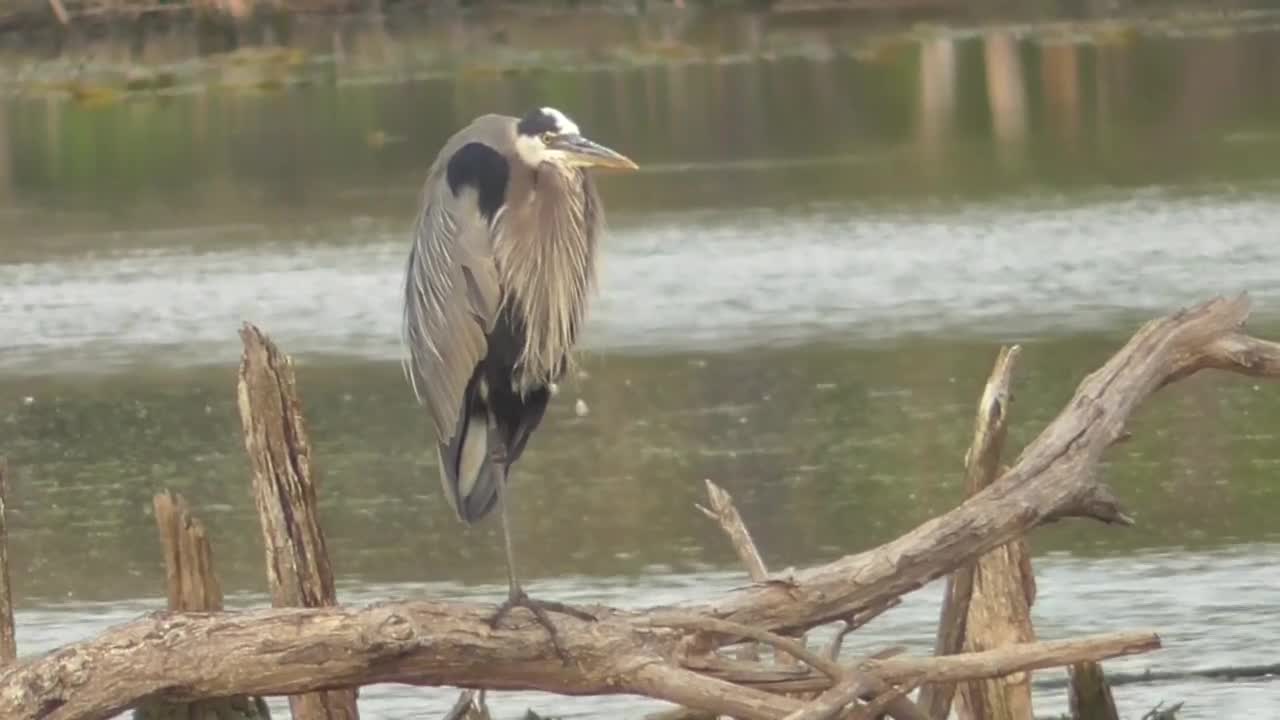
(723, 512)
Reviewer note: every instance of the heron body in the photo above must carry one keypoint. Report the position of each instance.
(497, 286)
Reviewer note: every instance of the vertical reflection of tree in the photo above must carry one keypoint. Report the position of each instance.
(1112, 83)
(937, 101)
(1211, 88)
(1060, 77)
(6, 157)
(53, 136)
(1007, 96)
(681, 118)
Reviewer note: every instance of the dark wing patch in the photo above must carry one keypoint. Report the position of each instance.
(481, 167)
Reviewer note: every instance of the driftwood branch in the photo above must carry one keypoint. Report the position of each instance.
(722, 510)
(725, 514)
(275, 437)
(282, 651)
(1000, 585)
(982, 463)
(285, 651)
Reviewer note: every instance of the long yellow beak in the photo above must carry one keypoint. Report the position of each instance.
(581, 151)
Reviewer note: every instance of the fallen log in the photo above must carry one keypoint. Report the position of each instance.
(288, 651)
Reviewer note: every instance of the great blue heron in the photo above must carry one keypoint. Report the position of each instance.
(502, 266)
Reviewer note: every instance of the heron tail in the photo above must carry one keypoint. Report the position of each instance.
(470, 476)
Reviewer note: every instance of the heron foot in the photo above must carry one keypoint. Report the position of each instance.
(519, 598)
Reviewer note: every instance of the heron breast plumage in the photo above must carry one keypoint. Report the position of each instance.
(547, 276)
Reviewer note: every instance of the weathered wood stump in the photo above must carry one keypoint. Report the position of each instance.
(1090, 694)
(275, 437)
(192, 586)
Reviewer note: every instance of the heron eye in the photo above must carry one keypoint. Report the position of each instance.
(547, 137)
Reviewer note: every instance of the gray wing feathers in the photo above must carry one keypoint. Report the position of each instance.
(451, 301)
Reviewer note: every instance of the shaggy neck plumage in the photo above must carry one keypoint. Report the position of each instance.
(548, 275)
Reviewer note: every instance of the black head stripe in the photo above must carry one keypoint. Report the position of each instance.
(536, 123)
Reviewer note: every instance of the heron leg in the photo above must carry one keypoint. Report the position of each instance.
(516, 596)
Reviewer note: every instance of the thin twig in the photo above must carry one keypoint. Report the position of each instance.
(999, 662)
(831, 702)
(723, 512)
(60, 12)
(730, 521)
(882, 702)
(855, 622)
(903, 709)
(706, 624)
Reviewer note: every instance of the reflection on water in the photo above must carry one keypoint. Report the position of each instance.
(945, 116)
(802, 295)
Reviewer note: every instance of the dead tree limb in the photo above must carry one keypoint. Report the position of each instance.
(284, 651)
(8, 639)
(275, 437)
(290, 651)
(982, 463)
(1000, 584)
(726, 515)
(723, 512)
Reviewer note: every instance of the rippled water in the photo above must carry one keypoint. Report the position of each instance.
(802, 295)
(681, 281)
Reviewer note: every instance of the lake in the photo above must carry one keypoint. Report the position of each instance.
(802, 294)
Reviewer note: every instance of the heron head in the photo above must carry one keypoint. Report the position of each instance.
(548, 135)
